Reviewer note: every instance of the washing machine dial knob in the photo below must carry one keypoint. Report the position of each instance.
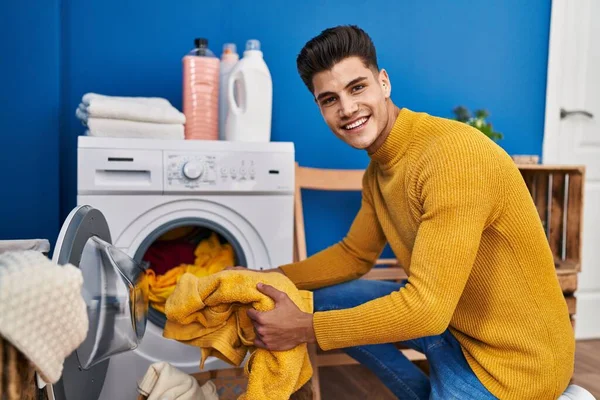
(192, 170)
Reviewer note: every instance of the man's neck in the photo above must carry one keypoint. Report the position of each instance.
(393, 112)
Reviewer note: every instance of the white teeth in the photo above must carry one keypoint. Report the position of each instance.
(356, 124)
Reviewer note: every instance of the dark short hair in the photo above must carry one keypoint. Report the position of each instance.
(331, 46)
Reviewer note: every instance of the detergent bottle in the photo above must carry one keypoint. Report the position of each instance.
(201, 92)
(249, 98)
(229, 58)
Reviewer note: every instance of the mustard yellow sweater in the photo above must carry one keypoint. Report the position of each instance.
(459, 218)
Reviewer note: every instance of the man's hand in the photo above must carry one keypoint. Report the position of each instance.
(284, 327)
(256, 270)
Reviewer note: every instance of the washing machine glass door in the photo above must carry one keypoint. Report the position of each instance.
(116, 305)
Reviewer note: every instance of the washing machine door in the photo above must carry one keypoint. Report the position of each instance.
(116, 306)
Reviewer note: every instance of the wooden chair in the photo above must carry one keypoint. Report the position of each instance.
(388, 269)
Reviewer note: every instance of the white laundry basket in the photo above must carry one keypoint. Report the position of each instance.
(41, 245)
(575, 392)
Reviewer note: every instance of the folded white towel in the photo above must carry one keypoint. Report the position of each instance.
(157, 101)
(144, 109)
(133, 129)
(164, 381)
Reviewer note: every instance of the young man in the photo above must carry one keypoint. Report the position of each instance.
(482, 300)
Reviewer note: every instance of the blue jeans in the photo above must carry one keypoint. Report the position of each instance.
(450, 376)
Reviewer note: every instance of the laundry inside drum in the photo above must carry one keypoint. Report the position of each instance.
(194, 249)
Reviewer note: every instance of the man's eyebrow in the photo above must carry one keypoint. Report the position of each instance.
(352, 82)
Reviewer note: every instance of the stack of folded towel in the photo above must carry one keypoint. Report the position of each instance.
(132, 117)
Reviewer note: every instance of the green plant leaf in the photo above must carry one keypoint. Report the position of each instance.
(483, 114)
(478, 121)
(461, 114)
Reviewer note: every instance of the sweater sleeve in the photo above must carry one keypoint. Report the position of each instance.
(348, 259)
(456, 193)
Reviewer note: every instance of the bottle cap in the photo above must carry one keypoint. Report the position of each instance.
(229, 48)
(253, 44)
(201, 42)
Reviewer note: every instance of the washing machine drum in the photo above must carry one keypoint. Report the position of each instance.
(116, 306)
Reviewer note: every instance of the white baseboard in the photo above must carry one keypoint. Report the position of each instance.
(587, 317)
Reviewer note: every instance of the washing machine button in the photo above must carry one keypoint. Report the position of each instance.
(192, 170)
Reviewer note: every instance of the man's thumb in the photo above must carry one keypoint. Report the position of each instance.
(270, 291)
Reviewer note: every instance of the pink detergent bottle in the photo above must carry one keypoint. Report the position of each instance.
(201, 92)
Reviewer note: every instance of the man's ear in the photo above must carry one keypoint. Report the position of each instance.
(384, 81)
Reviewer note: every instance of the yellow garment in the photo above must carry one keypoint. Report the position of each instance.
(458, 216)
(177, 233)
(211, 257)
(210, 313)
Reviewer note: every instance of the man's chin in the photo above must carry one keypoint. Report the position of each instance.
(359, 143)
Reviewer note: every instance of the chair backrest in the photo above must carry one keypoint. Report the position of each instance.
(334, 180)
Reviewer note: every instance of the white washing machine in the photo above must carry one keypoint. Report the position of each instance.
(144, 188)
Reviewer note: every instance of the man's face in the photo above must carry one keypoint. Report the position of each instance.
(352, 100)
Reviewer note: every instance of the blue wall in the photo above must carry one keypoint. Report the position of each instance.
(439, 54)
(29, 107)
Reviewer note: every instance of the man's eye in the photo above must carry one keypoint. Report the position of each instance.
(358, 88)
(328, 100)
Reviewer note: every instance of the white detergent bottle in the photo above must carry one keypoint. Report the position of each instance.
(249, 98)
(229, 58)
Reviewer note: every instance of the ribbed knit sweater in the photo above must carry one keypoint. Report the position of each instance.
(457, 214)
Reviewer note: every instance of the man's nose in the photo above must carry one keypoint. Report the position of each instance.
(348, 107)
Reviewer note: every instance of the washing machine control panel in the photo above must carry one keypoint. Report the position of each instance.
(189, 171)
